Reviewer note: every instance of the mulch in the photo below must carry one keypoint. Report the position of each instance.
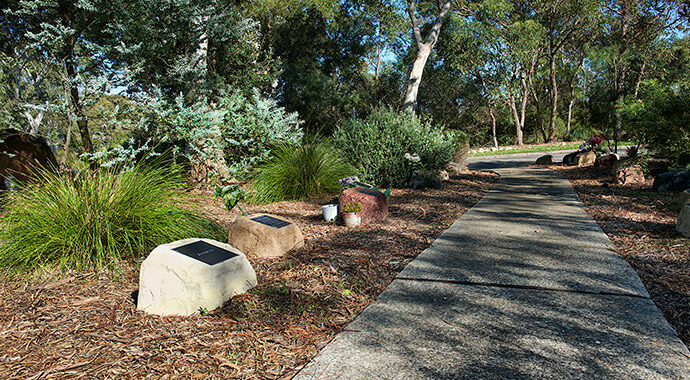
(86, 324)
(641, 224)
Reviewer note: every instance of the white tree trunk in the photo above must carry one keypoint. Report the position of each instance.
(415, 79)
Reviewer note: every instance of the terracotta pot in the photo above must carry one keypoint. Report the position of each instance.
(351, 219)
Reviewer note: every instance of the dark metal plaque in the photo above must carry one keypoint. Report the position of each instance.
(205, 252)
(271, 221)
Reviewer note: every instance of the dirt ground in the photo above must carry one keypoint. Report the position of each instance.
(641, 224)
(86, 324)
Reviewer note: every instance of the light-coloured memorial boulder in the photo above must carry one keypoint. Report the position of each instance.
(585, 158)
(452, 170)
(186, 276)
(683, 225)
(265, 236)
(443, 175)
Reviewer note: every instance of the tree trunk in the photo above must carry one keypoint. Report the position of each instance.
(553, 95)
(570, 110)
(518, 122)
(540, 119)
(68, 141)
(415, 79)
(493, 124)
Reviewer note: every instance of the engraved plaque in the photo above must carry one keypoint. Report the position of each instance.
(271, 221)
(205, 252)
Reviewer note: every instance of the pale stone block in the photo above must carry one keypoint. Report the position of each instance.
(207, 276)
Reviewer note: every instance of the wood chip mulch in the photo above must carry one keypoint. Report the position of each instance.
(73, 325)
(641, 224)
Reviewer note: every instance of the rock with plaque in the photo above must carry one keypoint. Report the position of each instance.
(265, 236)
(187, 276)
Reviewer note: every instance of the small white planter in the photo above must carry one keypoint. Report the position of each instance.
(351, 219)
(330, 212)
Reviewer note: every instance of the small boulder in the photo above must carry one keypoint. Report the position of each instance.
(186, 276)
(22, 155)
(630, 174)
(265, 236)
(569, 158)
(452, 170)
(462, 158)
(443, 175)
(585, 158)
(606, 161)
(684, 198)
(422, 179)
(683, 225)
(545, 160)
(374, 205)
(672, 182)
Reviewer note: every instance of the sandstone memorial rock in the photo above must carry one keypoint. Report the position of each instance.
(545, 160)
(462, 158)
(629, 174)
(672, 182)
(585, 158)
(606, 161)
(569, 158)
(186, 276)
(443, 175)
(22, 154)
(374, 205)
(265, 236)
(452, 170)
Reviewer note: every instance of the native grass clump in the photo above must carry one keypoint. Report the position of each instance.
(96, 220)
(297, 171)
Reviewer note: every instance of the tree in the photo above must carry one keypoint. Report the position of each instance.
(424, 47)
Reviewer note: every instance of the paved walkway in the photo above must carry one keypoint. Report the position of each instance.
(524, 285)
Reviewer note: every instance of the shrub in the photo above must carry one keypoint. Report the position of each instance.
(95, 220)
(251, 127)
(299, 171)
(377, 145)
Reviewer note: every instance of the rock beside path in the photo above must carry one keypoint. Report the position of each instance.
(545, 160)
(672, 182)
(585, 158)
(683, 225)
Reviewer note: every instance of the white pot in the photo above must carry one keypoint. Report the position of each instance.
(351, 219)
(330, 212)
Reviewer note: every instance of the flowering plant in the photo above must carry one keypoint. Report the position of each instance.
(348, 182)
(352, 208)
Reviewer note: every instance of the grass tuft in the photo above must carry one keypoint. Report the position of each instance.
(298, 172)
(96, 220)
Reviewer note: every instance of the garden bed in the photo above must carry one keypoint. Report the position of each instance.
(87, 324)
(641, 224)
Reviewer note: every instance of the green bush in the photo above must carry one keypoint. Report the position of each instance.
(251, 127)
(377, 146)
(299, 171)
(94, 220)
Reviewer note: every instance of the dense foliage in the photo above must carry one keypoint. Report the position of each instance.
(250, 127)
(377, 145)
(96, 220)
(297, 171)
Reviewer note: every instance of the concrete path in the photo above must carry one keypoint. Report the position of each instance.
(525, 285)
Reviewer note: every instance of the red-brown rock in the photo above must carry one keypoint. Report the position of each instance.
(606, 161)
(22, 155)
(374, 207)
(629, 174)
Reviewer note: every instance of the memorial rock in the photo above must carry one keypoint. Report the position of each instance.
(265, 236)
(672, 182)
(186, 276)
(374, 206)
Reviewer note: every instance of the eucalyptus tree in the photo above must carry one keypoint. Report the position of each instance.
(423, 44)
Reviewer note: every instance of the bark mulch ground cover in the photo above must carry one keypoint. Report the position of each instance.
(641, 224)
(87, 325)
